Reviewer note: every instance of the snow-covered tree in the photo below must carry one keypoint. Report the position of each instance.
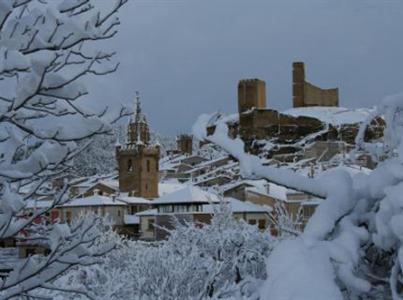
(46, 52)
(221, 260)
(352, 245)
(98, 157)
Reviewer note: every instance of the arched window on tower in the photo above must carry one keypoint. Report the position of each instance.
(148, 166)
(129, 166)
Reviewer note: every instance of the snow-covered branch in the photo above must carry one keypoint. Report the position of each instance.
(46, 53)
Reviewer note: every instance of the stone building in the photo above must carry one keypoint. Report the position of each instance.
(185, 143)
(138, 159)
(307, 94)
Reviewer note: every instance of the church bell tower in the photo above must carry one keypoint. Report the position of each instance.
(138, 159)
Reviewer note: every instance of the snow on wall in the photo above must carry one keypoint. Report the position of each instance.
(332, 115)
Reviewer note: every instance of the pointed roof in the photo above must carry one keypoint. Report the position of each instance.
(139, 117)
(138, 130)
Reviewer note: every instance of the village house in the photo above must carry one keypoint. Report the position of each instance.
(192, 204)
(28, 247)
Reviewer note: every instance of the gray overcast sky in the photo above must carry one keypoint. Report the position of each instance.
(186, 56)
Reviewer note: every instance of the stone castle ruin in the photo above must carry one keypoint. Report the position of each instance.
(290, 133)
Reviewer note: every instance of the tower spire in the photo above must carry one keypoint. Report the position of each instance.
(138, 104)
(138, 131)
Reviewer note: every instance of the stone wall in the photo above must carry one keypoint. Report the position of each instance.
(263, 124)
(307, 94)
(315, 96)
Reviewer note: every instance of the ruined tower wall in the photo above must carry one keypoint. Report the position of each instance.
(315, 96)
(298, 84)
(185, 143)
(307, 94)
(251, 93)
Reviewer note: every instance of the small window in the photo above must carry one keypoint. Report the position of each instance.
(68, 216)
(148, 166)
(252, 222)
(134, 209)
(129, 166)
(262, 224)
(150, 225)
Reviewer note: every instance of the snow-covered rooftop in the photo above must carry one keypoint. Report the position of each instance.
(166, 187)
(94, 200)
(131, 219)
(258, 184)
(238, 206)
(276, 191)
(332, 115)
(111, 183)
(33, 204)
(149, 212)
(189, 194)
(133, 200)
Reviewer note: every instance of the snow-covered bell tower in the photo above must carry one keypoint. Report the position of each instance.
(138, 159)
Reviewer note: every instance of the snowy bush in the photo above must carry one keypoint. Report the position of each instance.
(221, 260)
(45, 56)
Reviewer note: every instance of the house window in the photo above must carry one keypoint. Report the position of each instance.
(252, 222)
(148, 165)
(150, 226)
(68, 216)
(165, 209)
(129, 166)
(262, 224)
(134, 209)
